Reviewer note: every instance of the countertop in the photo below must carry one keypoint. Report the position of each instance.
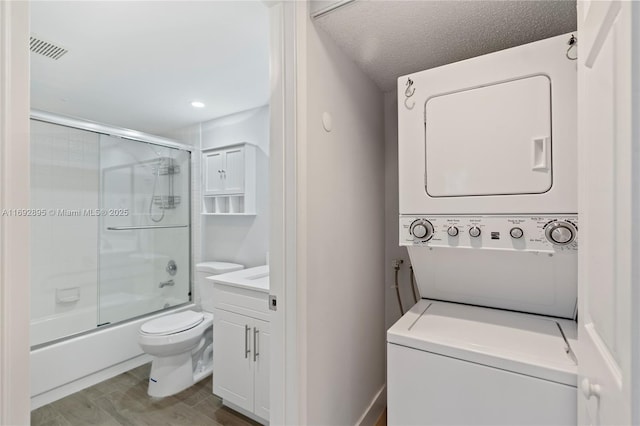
(256, 278)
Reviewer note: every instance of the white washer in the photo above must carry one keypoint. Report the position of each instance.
(454, 364)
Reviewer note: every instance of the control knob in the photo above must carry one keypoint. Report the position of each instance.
(560, 232)
(422, 230)
(516, 233)
(474, 232)
(452, 231)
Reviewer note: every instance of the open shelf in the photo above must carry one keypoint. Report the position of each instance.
(225, 205)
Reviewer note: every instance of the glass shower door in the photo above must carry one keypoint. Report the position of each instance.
(144, 228)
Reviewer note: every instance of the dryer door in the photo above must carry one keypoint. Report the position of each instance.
(490, 140)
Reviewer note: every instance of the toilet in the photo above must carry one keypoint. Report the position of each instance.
(182, 343)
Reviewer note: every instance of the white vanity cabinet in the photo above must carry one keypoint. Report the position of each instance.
(241, 362)
(241, 349)
(229, 180)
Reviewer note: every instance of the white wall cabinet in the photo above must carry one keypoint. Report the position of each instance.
(229, 180)
(241, 355)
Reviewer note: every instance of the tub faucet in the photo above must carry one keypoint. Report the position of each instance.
(166, 283)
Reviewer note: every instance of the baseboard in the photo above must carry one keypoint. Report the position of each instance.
(375, 408)
(67, 389)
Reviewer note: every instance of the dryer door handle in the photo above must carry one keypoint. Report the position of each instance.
(541, 153)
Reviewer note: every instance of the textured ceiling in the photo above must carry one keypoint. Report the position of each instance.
(388, 39)
(139, 64)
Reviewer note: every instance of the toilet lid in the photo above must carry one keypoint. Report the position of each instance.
(174, 323)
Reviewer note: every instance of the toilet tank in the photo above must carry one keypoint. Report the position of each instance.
(204, 287)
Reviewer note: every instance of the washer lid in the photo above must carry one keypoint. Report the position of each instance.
(218, 267)
(522, 343)
(174, 323)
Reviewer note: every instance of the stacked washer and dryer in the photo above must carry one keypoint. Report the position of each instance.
(488, 213)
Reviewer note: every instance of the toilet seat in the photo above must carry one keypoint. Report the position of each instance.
(172, 324)
(175, 342)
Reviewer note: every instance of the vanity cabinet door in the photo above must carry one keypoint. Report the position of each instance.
(233, 358)
(262, 336)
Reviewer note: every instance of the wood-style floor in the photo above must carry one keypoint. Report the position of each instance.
(123, 400)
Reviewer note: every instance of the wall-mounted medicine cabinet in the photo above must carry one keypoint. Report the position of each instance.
(229, 180)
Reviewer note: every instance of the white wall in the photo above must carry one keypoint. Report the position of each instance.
(392, 245)
(343, 251)
(240, 239)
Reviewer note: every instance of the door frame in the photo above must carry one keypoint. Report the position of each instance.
(286, 359)
(635, 274)
(635, 214)
(14, 231)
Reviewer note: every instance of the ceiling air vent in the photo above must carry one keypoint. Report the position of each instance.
(45, 48)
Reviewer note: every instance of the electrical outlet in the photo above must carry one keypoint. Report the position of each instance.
(395, 263)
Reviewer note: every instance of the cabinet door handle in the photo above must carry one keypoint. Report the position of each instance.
(256, 334)
(247, 351)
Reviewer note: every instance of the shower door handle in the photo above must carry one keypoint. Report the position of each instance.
(167, 283)
(256, 334)
(247, 351)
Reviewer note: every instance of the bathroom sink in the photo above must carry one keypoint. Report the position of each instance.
(252, 278)
(255, 277)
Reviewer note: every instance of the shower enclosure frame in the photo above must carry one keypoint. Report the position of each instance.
(135, 136)
(56, 371)
(92, 126)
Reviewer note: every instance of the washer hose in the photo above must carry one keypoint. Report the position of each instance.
(397, 269)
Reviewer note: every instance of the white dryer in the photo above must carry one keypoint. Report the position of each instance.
(490, 135)
(488, 213)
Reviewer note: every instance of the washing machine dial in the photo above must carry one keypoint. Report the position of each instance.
(422, 230)
(474, 231)
(452, 231)
(516, 233)
(560, 232)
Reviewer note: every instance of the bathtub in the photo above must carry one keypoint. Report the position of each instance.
(113, 307)
(67, 366)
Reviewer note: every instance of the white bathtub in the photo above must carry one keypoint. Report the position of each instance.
(65, 367)
(113, 306)
(59, 325)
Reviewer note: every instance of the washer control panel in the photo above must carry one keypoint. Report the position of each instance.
(550, 233)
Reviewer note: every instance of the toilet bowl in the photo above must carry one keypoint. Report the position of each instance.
(182, 343)
(182, 346)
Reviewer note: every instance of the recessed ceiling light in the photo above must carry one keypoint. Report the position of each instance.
(197, 104)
